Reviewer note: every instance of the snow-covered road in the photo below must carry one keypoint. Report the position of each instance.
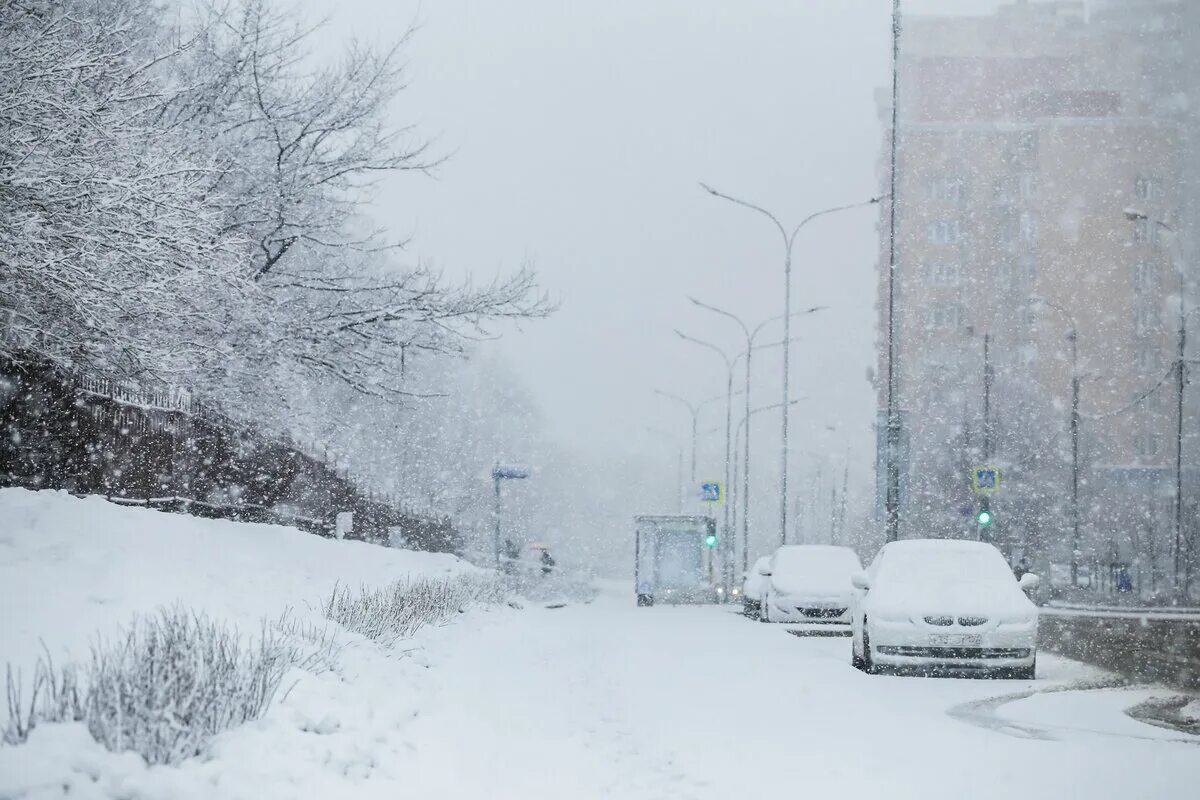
(609, 700)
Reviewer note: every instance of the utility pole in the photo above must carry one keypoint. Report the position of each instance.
(503, 473)
(987, 399)
(892, 499)
(1073, 338)
(1074, 457)
(1180, 565)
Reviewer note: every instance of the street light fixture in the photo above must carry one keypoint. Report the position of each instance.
(789, 239)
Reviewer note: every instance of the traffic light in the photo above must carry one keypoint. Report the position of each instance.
(711, 540)
(984, 515)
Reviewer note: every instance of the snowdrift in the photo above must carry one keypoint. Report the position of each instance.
(74, 568)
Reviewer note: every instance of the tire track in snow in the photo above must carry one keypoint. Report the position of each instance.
(985, 714)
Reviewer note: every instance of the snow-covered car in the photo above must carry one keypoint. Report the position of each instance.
(752, 586)
(939, 605)
(808, 583)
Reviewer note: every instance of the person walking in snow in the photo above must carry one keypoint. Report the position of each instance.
(547, 563)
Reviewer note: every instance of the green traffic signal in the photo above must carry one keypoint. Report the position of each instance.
(711, 540)
(984, 515)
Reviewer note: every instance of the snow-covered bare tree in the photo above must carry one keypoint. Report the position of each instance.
(302, 147)
(110, 253)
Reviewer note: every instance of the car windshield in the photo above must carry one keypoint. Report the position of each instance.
(944, 565)
(822, 564)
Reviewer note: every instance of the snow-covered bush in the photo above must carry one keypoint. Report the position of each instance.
(163, 688)
(399, 610)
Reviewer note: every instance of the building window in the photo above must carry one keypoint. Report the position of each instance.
(945, 232)
(1146, 357)
(1027, 145)
(944, 317)
(1006, 190)
(1143, 276)
(1002, 276)
(949, 189)
(1148, 189)
(942, 273)
(1029, 269)
(1028, 185)
(1145, 232)
(1145, 444)
(1145, 320)
(1027, 224)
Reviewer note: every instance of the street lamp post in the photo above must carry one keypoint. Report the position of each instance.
(789, 240)
(727, 567)
(750, 335)
(1073, 338)
(503, 473)
(744, 487)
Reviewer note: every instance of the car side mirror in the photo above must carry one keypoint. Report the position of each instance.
(1029, 582)
(765, 571)
(859, 580)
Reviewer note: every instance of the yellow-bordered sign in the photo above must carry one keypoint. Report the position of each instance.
(985, 480)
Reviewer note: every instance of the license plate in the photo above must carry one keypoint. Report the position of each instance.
(955, 640)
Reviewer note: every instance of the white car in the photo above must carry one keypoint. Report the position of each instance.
(808, 583)
(941, 605)
(752, 586)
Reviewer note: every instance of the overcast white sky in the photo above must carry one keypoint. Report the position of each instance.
(579, 131)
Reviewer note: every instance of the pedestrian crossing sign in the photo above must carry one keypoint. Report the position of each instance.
(985, 480)
(712, 492)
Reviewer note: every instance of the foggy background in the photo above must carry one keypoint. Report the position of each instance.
(577, 133)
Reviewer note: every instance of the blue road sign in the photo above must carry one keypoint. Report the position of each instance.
(985, 480)
(712, 492)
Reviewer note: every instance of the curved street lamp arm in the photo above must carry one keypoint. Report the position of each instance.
(760, 409)
(778, 317)
(834, 210)
(692, 407)
(723, 313)
(709, 345)
(751, 206)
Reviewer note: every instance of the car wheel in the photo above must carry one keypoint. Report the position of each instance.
(869, 665)
(1026, 673)
(856, 660)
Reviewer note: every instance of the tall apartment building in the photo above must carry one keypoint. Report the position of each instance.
(1024, 137)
